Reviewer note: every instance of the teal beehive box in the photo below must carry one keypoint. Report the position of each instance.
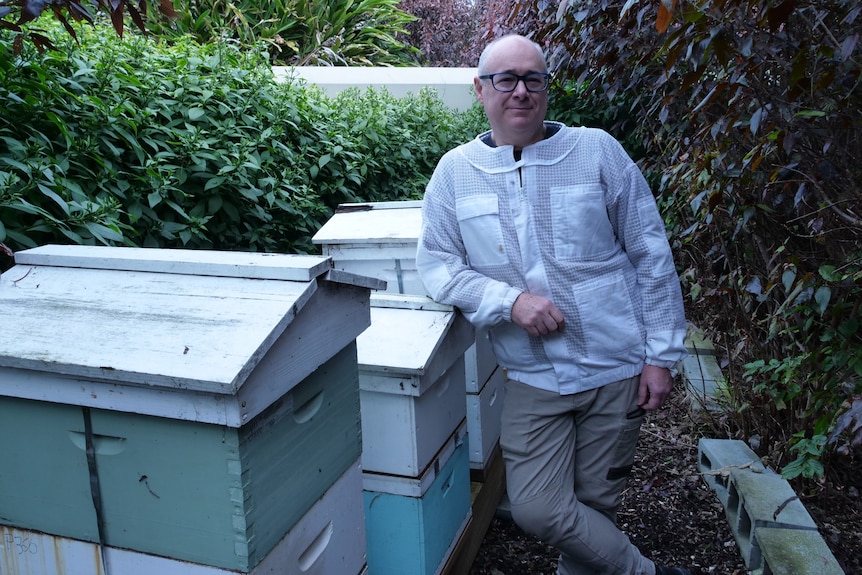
(187, 404)
(414, 523)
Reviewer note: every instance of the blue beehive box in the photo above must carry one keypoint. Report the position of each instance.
(194, 404)
(413, 524)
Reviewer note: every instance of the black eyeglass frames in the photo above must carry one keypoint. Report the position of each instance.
(507, 81)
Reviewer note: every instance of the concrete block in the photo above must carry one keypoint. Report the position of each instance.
(794, 552)
(699, 367)
(704, 379)
(697, 342)
(758, 500)
(716, 459)
(703, 376)
(775, 533)
(768, 499)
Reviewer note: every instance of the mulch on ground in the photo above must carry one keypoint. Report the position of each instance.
(670, 513)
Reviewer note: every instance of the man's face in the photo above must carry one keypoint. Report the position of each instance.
(516, 117)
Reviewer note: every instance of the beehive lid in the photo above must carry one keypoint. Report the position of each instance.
(373, 223)
(179, 319)
(411, 342)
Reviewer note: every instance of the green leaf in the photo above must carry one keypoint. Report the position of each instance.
(214, 204)
(177, 208)
(21, 239)
(250, 193)
(214, 182)
(822, 297)
(104, 233)
(828, 273)
(154, 199)
(75, 237)
(810, 114)
(16, 164)
(135, 211)
(848, 328)
(196, 113)
(55, 197)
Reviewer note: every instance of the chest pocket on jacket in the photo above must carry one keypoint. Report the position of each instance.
(479, 218)
(580, 222)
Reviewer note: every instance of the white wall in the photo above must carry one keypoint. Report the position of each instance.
(454, 85)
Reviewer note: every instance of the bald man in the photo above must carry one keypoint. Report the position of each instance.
(549, 237)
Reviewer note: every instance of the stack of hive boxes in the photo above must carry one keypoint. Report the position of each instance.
(416, 472)
(379, 240)
(411, 342)
(180, 412)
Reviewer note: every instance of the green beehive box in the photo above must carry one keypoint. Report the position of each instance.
(217, 394)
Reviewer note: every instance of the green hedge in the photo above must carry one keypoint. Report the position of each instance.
(132, 142)
(135, 142)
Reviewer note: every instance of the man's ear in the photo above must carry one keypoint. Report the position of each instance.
(477, 86)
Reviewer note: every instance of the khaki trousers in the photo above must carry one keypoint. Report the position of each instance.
(568, 458)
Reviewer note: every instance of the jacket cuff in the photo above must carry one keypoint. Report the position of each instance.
(508, 301)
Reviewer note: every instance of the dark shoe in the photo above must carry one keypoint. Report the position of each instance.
(671, 571)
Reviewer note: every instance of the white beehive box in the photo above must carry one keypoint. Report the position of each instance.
(483, 419)
(376, 240)
(480, 362)
(379, 239)
(411, 377)
(213, 396)
(485, 392)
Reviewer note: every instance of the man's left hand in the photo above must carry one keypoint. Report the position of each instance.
(655, 387)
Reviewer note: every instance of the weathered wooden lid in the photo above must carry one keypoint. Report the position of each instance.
(373, 223)
(172, 319)
(410, 344)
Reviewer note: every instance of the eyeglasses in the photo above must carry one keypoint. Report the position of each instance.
(507, 82)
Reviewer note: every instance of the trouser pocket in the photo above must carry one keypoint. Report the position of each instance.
(624, 450)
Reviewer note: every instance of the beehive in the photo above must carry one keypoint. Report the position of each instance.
(413, 523)
(328, 540)
(379, 240)
(196, 404)
(415, 460)
(483, 419)
(411, 377)
(376, 240)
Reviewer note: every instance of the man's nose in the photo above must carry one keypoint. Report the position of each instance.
(521, 87)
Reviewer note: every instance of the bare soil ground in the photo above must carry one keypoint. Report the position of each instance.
(670, 513)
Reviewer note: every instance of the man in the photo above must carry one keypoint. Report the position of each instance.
(549, 237)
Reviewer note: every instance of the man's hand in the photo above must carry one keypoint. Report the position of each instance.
(537, 315)
(655, 386)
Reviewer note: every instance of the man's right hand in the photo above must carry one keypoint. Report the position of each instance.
(537, 315)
